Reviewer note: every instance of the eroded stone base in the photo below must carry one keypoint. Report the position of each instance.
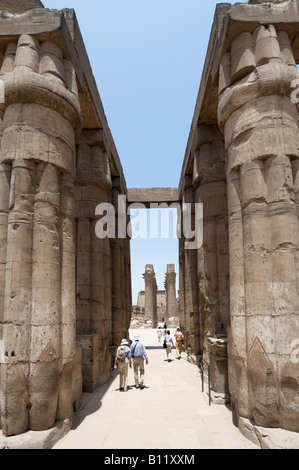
(268, 438)
(36, 439)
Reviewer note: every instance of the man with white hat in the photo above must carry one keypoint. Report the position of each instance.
(122, 360)
(138, 353)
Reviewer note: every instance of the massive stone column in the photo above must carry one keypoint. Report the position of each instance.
(170, 286)
(260, 126)
(37, 156)
(150, 294)
(191, 292)
(93, 185)
(119, 265)
(182, 311)
(209, 182)
(127, 278)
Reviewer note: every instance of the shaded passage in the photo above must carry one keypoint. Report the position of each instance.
(171, 412)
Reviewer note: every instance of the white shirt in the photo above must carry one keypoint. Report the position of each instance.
(168, 339)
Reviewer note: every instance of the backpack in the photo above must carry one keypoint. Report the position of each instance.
(121, 355)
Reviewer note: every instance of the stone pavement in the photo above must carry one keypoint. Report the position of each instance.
(171, 412)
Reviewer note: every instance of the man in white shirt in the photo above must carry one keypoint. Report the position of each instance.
(138, 353)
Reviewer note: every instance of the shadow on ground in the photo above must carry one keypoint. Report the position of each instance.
(92, 402)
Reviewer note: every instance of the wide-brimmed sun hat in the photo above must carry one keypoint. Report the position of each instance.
(137, 337)
(123, 342)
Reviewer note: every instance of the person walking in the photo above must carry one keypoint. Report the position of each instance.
(179, 341)
(169, 343)
(159, 333)
(139, 354)
(122, 360)
(165, 329)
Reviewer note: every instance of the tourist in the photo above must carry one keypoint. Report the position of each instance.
(139, 354)
(179, 341)
(122, 360)
(169, 343)
(159, 333)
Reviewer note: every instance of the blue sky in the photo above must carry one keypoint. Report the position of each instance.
(147, 57)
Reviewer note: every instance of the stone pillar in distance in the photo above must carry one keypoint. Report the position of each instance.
(170, 286)
(150, 294)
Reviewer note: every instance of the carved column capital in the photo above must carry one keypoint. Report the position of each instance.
(37, 72)
(258, 64)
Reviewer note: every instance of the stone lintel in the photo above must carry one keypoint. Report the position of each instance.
(149, 196)
(33, 22)
(279, 12)
(17, 7)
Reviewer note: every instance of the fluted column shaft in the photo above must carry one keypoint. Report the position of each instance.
(191, 292)
(92, 187)
(40, 116)
(119, 258)
(209, 181)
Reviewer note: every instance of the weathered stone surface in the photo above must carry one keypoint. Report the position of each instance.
(268, 438)
(258, 2)
(59, 281)
(36, 258)
(18, 7)
(149, 196)
(249, 261)
(267, 205)
(53, 176)
(36, 439)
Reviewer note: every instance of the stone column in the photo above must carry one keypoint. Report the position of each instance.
(68, 299)
(128, 279)
(260, 126)
(118, 249)
(209, 182)
(170, 286)
(182, 312)
(150, 294)
(93, 185)
(191, 284)
(40, 116)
